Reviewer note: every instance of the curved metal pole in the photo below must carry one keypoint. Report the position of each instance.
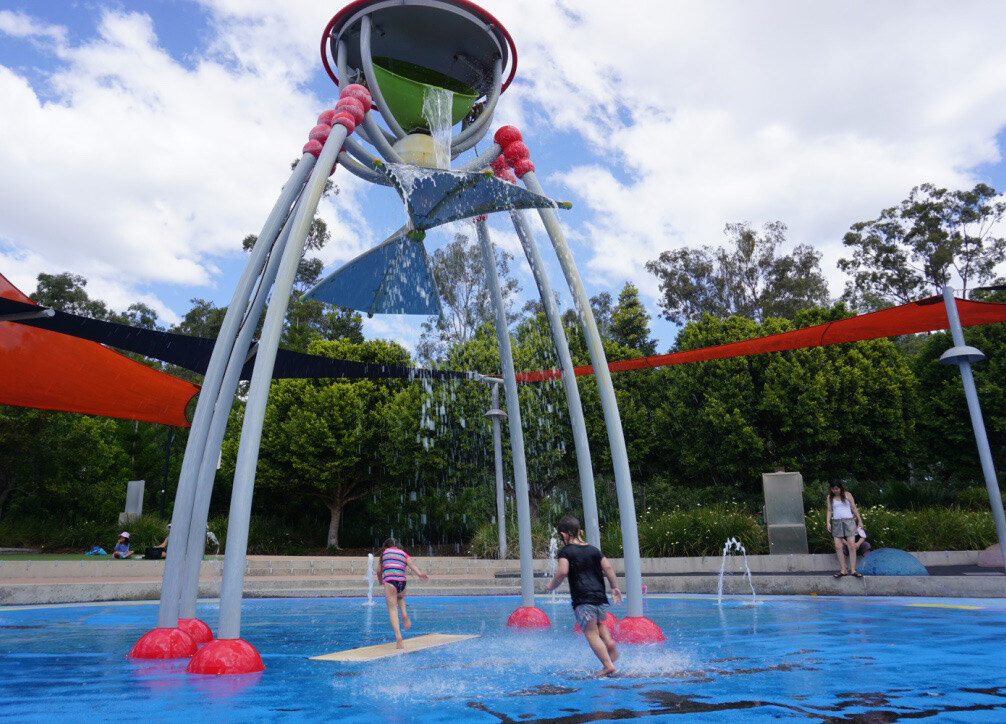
(207, 471)
(181, 516)
(367, 61)
(482, 161)
(251, 430)
(513, 412)
(609, 405)
(344, 73)
(962, 355)
(360, 171)
(577, 423)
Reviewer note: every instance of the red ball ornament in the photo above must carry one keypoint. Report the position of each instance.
(197, 629)
(226, 656)
(164, 643)
(353, 106)
(516, 151)
(319, 133)
(344, 118)
(355, 90)
(500, 165)
(637, 630)
(507, 175)
(507, 135)
(522, 166)
(312, 147)
(528, 617)
(325, 118)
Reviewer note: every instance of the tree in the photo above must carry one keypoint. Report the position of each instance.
(460, 277)
(65, 293)
(630, 322)
(326, 439)
(911, 250)
(747, 278)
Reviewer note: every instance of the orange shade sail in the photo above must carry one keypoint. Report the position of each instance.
(51, 371)
(925, 315)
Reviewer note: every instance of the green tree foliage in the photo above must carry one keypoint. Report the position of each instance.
(747, 278)
(911, 250)
(838, 410)
(325, 439)
(460, 277)
(65, 293)
(946, 439)
(630, 322)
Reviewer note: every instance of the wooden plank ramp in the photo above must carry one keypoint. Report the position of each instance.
(380, 651)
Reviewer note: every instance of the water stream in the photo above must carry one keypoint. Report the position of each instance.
(437, 103)
(368, 576)
(733, 545)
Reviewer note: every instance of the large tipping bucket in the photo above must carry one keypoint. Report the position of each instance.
(404, 86)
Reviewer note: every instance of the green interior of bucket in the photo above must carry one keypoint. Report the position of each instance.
(403, 85)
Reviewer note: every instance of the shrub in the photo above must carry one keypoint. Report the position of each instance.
(485, 542)
(930, 529)
(700, 531)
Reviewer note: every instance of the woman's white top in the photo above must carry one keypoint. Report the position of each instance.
(840, 508)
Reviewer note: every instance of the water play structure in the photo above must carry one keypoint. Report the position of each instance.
(432, 71)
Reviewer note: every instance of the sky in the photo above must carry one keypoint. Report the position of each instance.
(140, 142)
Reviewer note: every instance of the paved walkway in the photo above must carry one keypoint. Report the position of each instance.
(951, 574)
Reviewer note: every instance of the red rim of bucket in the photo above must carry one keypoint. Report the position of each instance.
(491, 21)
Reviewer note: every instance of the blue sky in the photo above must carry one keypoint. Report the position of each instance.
(141, 141)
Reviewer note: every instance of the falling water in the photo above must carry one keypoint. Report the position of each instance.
(437, 103)
(553, 550)
(368, 576)
(733, 544)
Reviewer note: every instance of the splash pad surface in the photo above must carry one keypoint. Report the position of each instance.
(778, 659)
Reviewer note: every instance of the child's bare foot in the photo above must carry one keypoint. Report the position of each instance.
(606, 671)
(399, 644)
(406, 623)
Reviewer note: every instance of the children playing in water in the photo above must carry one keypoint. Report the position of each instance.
(587, 568)
(393, 562)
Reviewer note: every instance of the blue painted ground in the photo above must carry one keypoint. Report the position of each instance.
(813, 659)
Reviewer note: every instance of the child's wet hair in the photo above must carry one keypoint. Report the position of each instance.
(568, 524)
(390, 543)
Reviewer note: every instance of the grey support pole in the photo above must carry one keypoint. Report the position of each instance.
(232, 582)
(513, 412)
(609, 405)
(579, 427)
(496, 414)
(962, 355)
(181, 517)
(207, 471)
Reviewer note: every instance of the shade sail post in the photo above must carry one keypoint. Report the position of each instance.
(962, 355)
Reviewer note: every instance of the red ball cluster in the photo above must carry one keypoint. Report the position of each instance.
(516, 154)
(354, 101)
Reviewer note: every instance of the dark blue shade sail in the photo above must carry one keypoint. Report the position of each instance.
(392, 278)
(433, 197)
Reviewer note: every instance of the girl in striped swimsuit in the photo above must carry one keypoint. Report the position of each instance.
(393, 563)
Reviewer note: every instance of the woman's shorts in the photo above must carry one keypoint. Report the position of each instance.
(587, 612)
(843, 527)
(399, 585)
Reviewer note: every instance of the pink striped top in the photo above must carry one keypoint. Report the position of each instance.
(393, 562)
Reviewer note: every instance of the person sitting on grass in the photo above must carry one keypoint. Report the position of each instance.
(122, 546)
(160, 550)
(587, 568)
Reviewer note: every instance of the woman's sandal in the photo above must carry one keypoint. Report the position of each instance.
(840, 574)
(856, 574)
